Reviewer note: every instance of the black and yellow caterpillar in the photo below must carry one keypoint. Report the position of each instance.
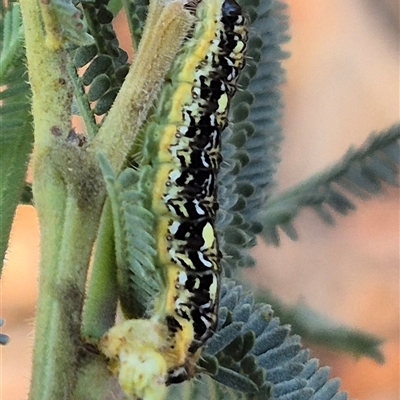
(180, 162)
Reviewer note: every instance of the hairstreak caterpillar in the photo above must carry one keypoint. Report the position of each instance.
(178, 174)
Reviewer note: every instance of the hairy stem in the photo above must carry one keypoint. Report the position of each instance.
(162, 37)
(101, 301)
(67, 231)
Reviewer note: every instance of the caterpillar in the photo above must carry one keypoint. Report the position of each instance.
(180, 163)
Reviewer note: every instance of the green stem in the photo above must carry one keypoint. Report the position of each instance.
(95, 381)
(61, 292)
(101, 301)
(67, 227)
(67, 186)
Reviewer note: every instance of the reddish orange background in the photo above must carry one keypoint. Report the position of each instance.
(342, 83)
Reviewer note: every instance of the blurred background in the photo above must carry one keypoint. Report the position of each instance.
(342, 83)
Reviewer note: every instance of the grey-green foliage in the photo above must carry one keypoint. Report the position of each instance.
(16, 136)
(320, 330)
(136, 11)
(3, 338)
(253, 356)
(250, 146)
(361, 173)
(107, 64)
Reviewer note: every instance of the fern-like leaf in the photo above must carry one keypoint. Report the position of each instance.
(11, 38)
(320, 330)
(138, 280)
(136, 11)
(16, 136)
(250, 146)
(107, 64)
(360, 173)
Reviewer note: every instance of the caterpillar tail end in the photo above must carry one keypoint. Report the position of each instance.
(134, 349)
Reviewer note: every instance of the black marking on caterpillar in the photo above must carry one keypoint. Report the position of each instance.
(183, 147)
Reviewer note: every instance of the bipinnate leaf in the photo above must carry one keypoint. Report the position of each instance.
(360, 174)
(16, 135)
(253, 356)
(136, 11)
(107, 63)
(250, 145)
(320, 330)
(138, 280)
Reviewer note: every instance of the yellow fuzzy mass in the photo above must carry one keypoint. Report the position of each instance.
(177, 355)
(141, 353)
(136, 351)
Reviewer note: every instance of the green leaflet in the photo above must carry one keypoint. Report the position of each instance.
(108, 63)
(138, 280)
(71, 25)
(16, 136)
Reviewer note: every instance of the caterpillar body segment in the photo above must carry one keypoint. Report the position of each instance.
(183, 146)
(179, 169)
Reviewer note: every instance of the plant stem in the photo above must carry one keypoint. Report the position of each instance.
(61, 293)
(67, 229)
(101, 299)
(167, 24)
(67, 186)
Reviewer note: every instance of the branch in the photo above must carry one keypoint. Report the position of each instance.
(166, 27)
